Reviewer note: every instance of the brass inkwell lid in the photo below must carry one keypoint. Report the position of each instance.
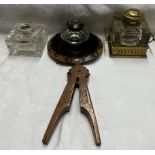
(74, 43)
(132, 16)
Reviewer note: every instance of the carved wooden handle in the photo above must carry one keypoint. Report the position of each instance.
(62, 107)
(88, 110)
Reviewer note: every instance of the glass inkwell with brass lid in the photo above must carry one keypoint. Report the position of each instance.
(129, 35)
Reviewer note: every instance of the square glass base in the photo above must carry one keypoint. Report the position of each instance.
(27, 39)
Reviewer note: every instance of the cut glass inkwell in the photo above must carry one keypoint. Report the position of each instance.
(129, 35)
(27, 39)
(74, 46)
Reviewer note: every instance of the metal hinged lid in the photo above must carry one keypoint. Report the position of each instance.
(133, 16)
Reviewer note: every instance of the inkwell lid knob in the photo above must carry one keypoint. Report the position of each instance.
(132, 16)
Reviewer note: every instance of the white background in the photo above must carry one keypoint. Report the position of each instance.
(122, 90)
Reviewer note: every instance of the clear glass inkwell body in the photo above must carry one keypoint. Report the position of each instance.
(27, 39)
(129, 35)
(75, 33)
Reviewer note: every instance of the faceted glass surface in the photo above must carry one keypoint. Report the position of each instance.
(27, 39)
(74, 37)
(131, 36)
(128, 35)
